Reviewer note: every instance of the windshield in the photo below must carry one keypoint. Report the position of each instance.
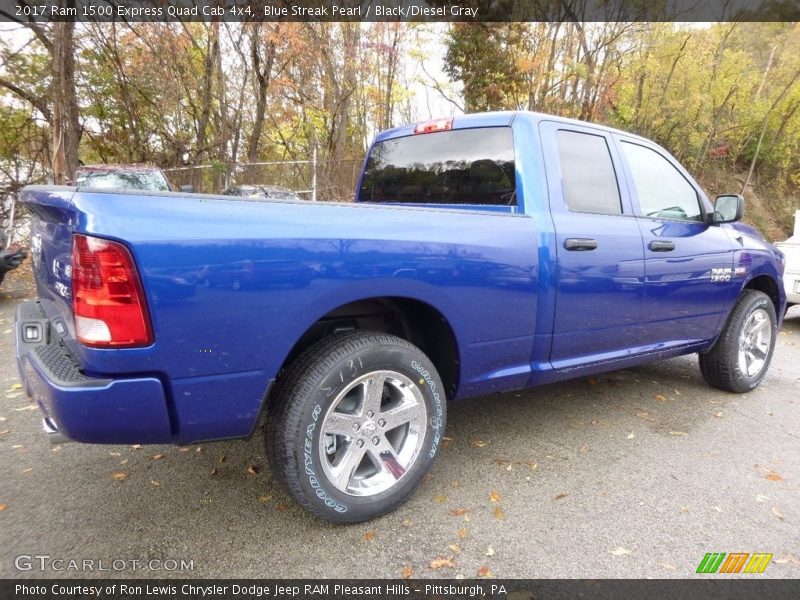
(124, 180)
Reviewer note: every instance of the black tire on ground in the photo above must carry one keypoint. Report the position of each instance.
(720, 365)
(339, 371)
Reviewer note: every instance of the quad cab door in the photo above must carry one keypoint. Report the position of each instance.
(599, 277)
(689, 276)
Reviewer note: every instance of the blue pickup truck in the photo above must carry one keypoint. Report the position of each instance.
(483, 253)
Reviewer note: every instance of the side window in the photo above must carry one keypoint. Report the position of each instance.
(587, 173)
(663, 192)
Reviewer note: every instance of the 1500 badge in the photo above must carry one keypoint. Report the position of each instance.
(721, 274)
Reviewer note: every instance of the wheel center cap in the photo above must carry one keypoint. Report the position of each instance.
(369, 428)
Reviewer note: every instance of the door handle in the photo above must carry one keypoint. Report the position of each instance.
(661, 246)
(580, 244)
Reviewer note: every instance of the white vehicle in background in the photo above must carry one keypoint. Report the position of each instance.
(791, 277)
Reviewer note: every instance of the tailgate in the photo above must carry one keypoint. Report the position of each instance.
(53, 220)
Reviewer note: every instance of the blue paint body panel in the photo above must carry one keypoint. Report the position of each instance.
(232, 286)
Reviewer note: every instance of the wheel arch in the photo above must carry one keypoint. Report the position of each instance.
(767, 284)
(413, 320)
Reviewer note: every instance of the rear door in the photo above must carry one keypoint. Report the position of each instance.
(600, 269)
(688, 263)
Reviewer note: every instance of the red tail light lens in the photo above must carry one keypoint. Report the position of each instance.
(107, 298)
(435, 125)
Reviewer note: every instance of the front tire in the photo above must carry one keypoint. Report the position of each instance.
(739, 359)
(355, 424)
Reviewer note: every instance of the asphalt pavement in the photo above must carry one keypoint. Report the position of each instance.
(635, 473)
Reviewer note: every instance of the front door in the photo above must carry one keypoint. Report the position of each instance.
(688, 263)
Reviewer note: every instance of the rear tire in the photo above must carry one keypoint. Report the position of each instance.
(740, 357)
(354, 425)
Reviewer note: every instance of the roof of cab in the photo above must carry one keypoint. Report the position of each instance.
(498, 119)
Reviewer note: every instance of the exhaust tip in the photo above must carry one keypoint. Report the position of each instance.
(53, 434)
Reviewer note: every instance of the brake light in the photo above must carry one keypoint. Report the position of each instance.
(107, 298)
(435, 125)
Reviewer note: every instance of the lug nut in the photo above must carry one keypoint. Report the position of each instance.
(370, 413)
(359, 443)
(382, 423)
(356, 426)
(375, 440)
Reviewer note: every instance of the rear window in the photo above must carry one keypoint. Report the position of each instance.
(464, 166)
(123, 180)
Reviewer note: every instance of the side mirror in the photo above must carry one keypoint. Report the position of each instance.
(187, 189)
(728, 208)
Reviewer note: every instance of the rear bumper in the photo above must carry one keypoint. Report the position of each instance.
(82, 408)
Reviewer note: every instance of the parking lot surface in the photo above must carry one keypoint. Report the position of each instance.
(635, 473)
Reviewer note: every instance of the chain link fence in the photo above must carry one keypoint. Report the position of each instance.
(310, 179)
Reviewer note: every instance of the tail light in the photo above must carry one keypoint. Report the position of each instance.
(435, 125)
(107, 298)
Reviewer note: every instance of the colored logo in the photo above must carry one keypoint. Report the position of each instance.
(735, 562)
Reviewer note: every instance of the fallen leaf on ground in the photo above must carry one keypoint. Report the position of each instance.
(788, 558)
(678, 433)
(777, 512)
(369, 536)
(438, 563)
(455, 548)
(222, 459)
(560, 496)
(155, 483)
(214, 471)
(631, 435)
(773, 476)
(668, 566)
(718, 415)
(199, 449)
(252, 470)
(498, 513)
(136, 446)
(489, 551)
(31, 407)
(157, 456)
(440, 498)
(477, 443)
(407, 572)
(282, 506)
(494, 496)
(407, 522)
(183, 449)
(16, 386)
(265, 499)
(5, 431)
(119, 476)
(462, 533)
(592, 381)
(115, 453)
(762, 498)
(458, 512)
(485, 572)
(3, 507)
(620, 551)
(661, 397)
